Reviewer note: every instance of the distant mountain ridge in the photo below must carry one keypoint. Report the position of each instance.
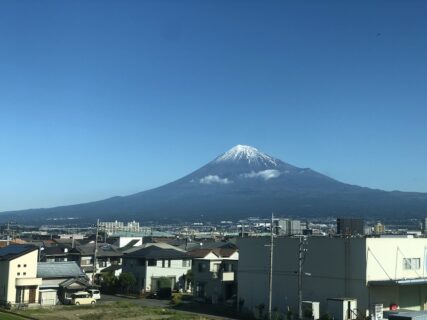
(244, 182)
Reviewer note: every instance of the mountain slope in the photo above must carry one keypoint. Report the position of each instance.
(246, 182)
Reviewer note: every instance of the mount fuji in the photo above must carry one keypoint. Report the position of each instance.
(244, 182)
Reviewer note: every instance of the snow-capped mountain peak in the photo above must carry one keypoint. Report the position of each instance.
(251, 154)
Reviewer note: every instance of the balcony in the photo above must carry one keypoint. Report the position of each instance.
(23, 282)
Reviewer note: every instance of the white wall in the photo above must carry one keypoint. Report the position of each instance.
(144, 274)
(177, 270)
(123, 241)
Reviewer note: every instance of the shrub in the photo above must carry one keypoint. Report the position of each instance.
(176, 299)
(126, 280)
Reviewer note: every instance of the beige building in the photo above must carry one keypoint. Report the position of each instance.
(18, 275)
(381, 270)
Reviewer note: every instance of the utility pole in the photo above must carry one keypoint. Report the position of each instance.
(301, 257)
(94, 253)
(270, 279)
(8, 232)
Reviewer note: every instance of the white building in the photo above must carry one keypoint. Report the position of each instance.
(384, 270)
(111, 227)
(156, 261)
(287, 226)
(18, 275)
(127, 241)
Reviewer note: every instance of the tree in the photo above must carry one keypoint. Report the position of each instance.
(126, 281)
(109, 282)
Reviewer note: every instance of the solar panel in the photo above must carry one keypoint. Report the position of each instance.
(14, 249)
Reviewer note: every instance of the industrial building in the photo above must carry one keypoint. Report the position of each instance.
(382, 270)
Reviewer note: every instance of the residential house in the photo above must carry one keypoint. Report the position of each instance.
(374, 270)
(54, 254)
(106, 256)
(214, 273)
(59, 281)
(19, 283)
(155, 261)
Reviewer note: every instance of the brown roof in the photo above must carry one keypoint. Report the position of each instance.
(219, 252)
(199, 253)
(3, 243)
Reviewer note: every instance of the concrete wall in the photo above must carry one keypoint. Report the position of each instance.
(363, 268)
(336, 265)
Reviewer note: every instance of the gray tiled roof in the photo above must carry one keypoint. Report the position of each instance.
(104, 250)
(154, 252)
(69, 269)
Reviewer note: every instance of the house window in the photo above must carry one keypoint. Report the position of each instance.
(411, 263)
(216, 267)
(203, 267)
(19, 266)
(152, 262)
(25, 265)
(166, 263)
(24, 273)
(18, 274)
(186, 263)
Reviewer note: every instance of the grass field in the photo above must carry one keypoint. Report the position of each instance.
(8, 316)
(113, 311)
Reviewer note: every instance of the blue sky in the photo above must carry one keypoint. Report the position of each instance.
(103, 98)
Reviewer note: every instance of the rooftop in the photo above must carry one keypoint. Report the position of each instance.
(69, 269)
(15, 250)
(155, 252)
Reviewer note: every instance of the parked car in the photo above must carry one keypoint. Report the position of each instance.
(82, 297)
(94, 293)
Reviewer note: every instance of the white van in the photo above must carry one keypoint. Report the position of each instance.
(82, 297)
(94, 293)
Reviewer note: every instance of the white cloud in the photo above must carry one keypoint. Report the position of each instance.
(265, 174)
(214, 179)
